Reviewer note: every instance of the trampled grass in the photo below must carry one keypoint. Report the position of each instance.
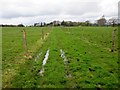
(90, 63)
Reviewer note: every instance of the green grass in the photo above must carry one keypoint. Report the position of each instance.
(91, 64)
(13, 48)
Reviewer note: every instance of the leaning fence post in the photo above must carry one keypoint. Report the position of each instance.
(25, 41)
(42, 35)
(113, 40)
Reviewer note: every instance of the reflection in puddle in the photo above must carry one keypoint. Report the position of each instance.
(46, 57)
(44, 62)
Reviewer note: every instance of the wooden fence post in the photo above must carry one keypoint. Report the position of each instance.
(25, 41)
(113, 40)
(42, 35)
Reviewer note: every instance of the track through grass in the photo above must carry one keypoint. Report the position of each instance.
(90, 64)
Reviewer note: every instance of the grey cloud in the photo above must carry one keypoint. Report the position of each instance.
(28, 9)
(49, 10)
(82, 8)
(28, 12)
(34, 9)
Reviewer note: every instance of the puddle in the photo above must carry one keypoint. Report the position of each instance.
(66, 64)
(63, 56)
(44, 62)
(38, 56)
(41, 71)
(69, 76)
(46, 57)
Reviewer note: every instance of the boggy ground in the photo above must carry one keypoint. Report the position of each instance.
(89, 64)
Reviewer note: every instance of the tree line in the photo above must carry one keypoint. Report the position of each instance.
(19, 25)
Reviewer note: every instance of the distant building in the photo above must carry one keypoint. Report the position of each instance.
(37, 24)
(113, 21)
(40, 24)
(101, 21)
(56, 23)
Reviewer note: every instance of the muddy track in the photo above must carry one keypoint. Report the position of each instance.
(9, 73)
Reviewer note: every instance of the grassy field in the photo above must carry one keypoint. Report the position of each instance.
(87, 61)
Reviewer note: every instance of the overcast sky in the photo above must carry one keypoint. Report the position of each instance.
(30, 11)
